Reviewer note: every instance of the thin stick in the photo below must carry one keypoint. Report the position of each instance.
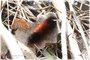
(73, 44)
(18, 6)
(8, 16)
(76, 19)
(10, 40)
(59, 4)
(30, 54)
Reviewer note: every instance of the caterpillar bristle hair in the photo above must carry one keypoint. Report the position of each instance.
(43, 29)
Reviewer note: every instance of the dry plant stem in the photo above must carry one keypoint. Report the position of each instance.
(3, 3)
(38, 49)
(5, 18)
(73, 44)
(8, 16)
(11, 12)
(23, 13)
(59, 4)
(28, 11)
(19, 2)
(77, 21)
(82, 33)
(28, 50)
(81, 6)
(58, 27)
(84, 17)
(10, 40)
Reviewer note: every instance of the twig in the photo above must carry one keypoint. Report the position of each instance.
(73, 44)
(10, 40)
(25, 49)
(59, 4)
(19, 2)
(76, 19)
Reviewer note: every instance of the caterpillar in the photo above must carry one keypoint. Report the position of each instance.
(43, 29)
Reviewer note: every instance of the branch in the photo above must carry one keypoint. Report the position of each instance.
(11, 42)
(59, 4)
